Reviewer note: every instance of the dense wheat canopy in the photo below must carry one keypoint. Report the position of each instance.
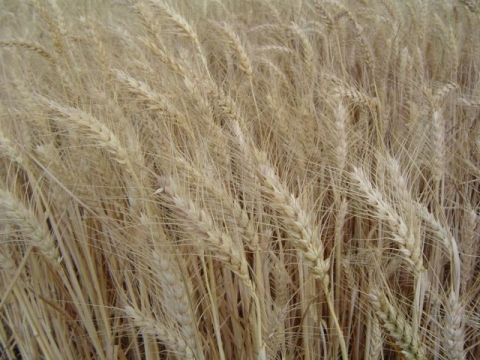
(251, 179)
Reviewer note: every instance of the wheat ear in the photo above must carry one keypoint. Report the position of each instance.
(172, 63)
(150, 326)
(149, 20)
(239, 48)
(438, 146)
(409, 243)
(155, 100)
(176, 298)
(8, 149)
(232, 211)
(182, 24)
(298, 223)
(394, 323)
(53, 26)
(96, 130)
(340, 126)
(17, 213)
(467, 248)
(209, 235)
(453, 330)
(471, 5)
(308, 53)
(31, 46)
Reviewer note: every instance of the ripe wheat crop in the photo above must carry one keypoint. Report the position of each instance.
(223, 179)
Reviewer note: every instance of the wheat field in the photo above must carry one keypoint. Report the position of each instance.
(239, 179)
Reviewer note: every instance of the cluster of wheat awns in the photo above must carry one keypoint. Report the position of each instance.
(223, 179)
